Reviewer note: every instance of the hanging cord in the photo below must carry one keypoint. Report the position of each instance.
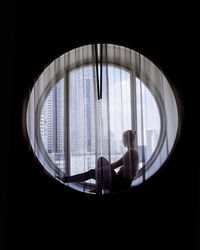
(101, 56)
(99, 80)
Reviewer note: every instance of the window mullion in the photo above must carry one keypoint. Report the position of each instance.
(66, 124)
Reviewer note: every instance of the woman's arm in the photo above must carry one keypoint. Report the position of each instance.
(117, 163)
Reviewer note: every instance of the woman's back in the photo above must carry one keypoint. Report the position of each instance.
(130, 164)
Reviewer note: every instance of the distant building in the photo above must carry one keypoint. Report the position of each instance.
(52, 120)
(82, 120)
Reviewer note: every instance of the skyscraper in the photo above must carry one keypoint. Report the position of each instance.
(52, 123)
(82, 111)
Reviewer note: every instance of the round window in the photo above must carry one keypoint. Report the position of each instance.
(102, 118)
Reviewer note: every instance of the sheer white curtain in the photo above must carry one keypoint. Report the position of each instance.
(70, 127)
(97, 125)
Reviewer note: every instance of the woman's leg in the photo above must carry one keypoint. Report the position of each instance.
(80, 177)
(101, 162)
(91, 174)
(104, 174)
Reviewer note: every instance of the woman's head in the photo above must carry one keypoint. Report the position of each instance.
(129, 138)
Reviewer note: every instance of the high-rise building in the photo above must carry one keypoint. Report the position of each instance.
(52, 122)
(82, 112)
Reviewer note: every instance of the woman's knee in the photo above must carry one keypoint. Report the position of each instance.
(102, 161)
(92, 173)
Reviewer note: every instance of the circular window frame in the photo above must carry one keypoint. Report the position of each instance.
(135, 70)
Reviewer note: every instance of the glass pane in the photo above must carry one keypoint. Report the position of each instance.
(82, 120)
(120, 109)
(148, 122)
(96, 126)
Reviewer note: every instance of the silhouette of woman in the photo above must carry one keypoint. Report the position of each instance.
(104, 173)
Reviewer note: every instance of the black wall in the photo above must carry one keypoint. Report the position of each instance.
(38, 212)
